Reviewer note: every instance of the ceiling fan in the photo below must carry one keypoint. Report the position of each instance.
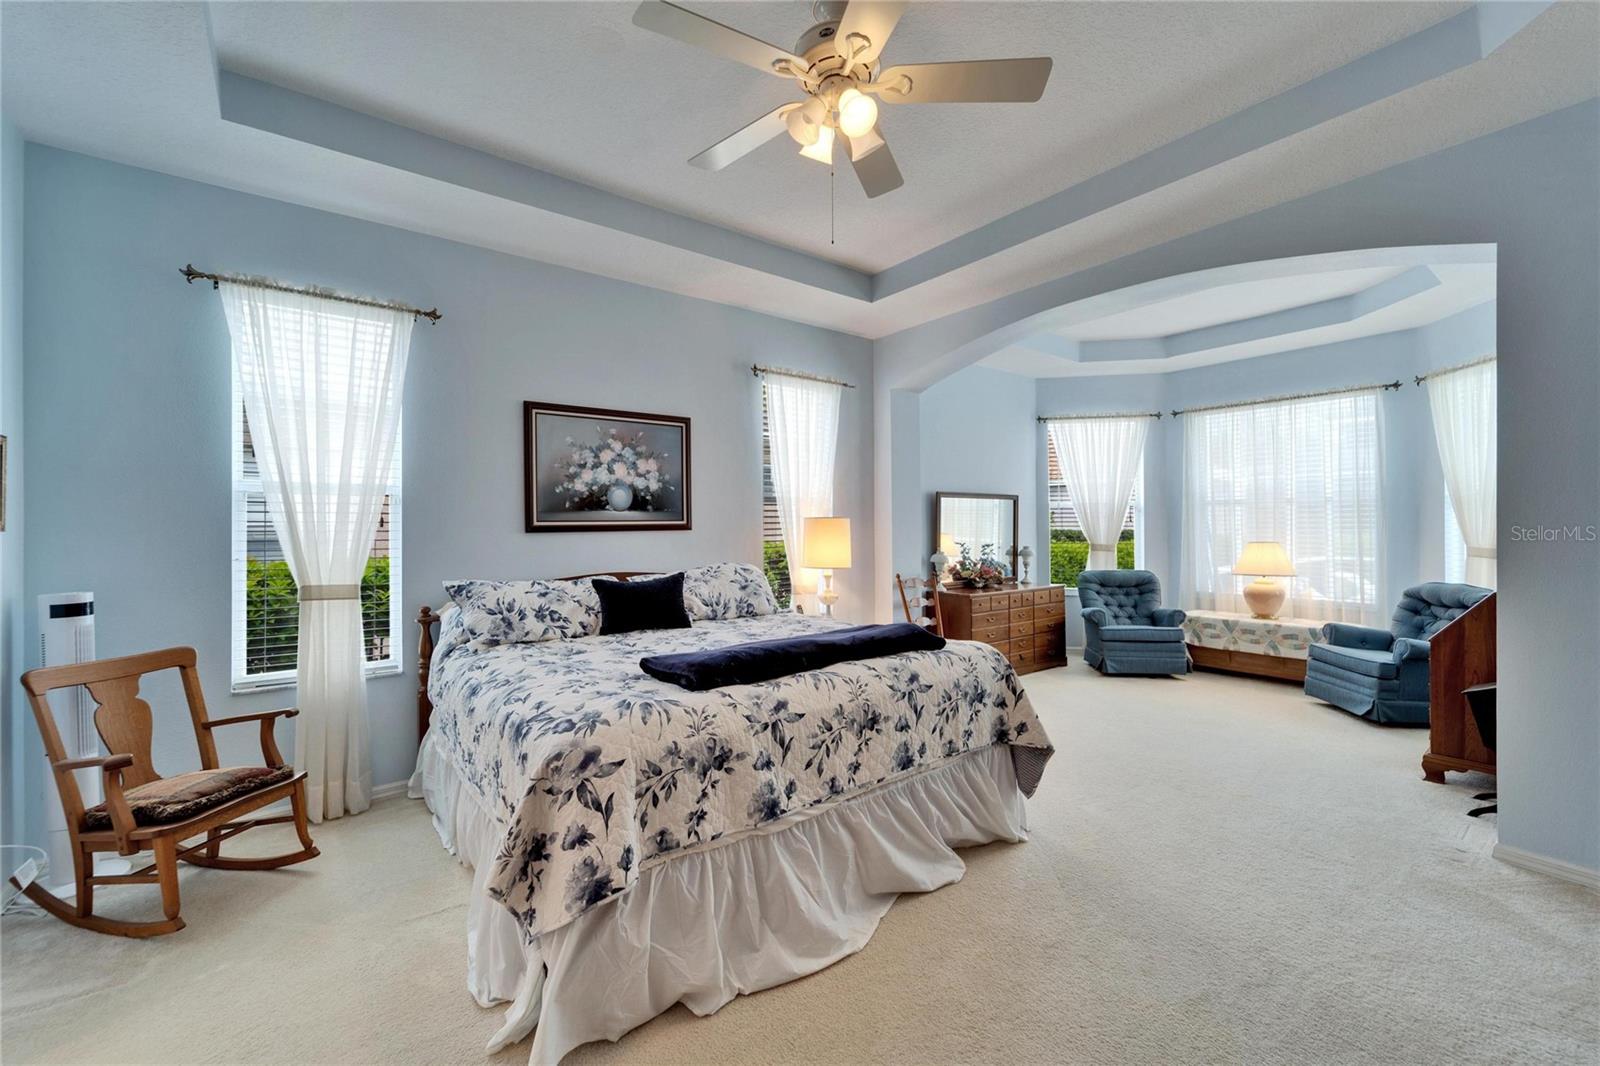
(836, 64)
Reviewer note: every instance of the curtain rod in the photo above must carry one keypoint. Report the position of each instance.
(1390, 386)
(757, 369)
(190, 273)
(1079, 418)
(1452, 369)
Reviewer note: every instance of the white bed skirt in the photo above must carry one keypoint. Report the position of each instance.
(732, 918)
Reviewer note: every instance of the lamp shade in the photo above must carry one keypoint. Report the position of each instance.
(1264, 558)
(826, 544)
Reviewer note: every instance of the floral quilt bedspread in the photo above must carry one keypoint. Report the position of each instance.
(598, 769)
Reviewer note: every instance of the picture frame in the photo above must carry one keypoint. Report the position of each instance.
(600, 470)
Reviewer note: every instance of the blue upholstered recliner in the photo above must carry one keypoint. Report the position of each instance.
(1382, 674)
(1125, 628)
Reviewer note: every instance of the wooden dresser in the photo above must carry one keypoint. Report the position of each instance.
(1027, 623)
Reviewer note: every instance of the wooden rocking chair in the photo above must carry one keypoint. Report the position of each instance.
(143, 810)
(926, 613)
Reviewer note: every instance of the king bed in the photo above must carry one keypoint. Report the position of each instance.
(636, 845)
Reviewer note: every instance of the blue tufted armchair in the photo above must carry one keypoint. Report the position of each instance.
(1125, 628)
(1382, 674)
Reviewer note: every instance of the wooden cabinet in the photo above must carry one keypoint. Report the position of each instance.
(1460, 655)
(1028, 624)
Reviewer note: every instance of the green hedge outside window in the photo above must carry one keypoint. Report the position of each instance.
(1069, 555)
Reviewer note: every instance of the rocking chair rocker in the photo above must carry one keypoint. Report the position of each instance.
(145, 811)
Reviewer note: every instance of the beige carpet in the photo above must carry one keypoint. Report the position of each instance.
(1220, 871)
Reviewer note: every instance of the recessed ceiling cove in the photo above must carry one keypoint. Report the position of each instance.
(563, 131)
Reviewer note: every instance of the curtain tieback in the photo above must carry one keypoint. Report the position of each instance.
(329, 592)
(1102, 547)
(1480, 553)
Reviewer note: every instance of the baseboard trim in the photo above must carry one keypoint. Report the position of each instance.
(1542, 864)
(393, 790)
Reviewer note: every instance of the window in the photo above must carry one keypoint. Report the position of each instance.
(1304, 473)
(1069, 548)
(266, 608)
(773, 558)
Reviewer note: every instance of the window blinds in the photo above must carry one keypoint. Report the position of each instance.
(1305, 473)
(266, 611)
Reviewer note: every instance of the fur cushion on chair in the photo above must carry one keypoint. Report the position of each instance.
(173, 799)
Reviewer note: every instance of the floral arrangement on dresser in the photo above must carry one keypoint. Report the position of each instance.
(979, 573)
(618, 472)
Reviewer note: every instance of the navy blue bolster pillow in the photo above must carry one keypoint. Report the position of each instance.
(764, 660)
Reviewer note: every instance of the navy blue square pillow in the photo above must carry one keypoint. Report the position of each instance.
(629, 606)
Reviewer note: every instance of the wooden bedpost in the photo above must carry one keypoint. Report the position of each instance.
(426, 619)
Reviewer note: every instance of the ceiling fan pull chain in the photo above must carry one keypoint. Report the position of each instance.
(830, 204)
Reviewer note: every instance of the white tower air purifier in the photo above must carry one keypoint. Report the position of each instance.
(66, 635)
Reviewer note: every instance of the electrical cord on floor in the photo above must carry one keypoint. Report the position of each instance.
(17, 903)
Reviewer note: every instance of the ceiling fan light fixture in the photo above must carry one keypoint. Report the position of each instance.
(801, 128)
(858, 112)
(822, 150)
(864, 144)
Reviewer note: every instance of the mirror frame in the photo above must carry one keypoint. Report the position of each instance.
(938, 514)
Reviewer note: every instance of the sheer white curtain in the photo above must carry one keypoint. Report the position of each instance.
(803, 423)
(1099, 459)
(1305, 473)
(1463, 404)
(322, 383)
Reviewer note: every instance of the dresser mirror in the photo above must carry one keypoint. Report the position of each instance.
(976, 519)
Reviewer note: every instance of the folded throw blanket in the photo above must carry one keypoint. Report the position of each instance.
(764, 660)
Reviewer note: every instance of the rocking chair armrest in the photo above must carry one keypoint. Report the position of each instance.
(262, 716)
(122, 822)
(108, 763)
(269, 743)
(111, 767)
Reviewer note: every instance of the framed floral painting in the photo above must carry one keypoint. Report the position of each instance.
(589, 469)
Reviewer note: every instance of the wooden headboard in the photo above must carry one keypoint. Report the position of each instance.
(427, 618)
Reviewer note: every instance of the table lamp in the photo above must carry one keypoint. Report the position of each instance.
(1264, 559)
(826, 547)
(943, 556)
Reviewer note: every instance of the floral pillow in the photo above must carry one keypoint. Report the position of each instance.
(526, 612)
(727, 590)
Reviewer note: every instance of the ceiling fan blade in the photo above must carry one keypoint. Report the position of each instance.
(981, 81)
(873, 19)
(874, 164)
(745, 141)
(684, 25)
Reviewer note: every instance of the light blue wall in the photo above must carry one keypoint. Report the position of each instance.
(15, 723)
(1530, 190)
(979, 434)
(130, 367)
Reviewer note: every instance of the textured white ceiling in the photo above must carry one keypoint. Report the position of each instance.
(577, 89)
